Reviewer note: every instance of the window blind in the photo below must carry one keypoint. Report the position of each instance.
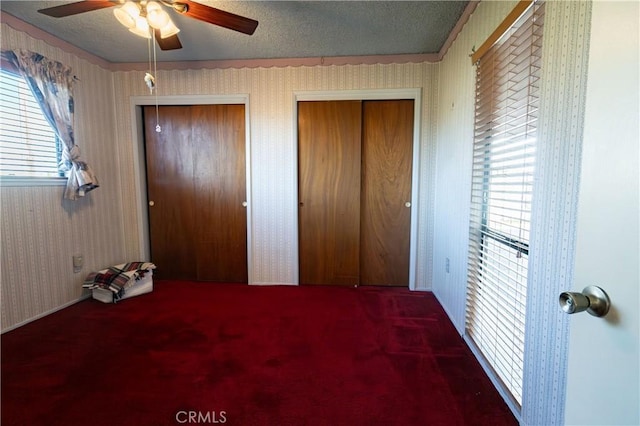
(28, 145)
(506, 113)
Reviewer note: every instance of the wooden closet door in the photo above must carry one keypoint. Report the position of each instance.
(387, 153)
(329, 136)
(169, 156)
(220, 189)
(196, 180)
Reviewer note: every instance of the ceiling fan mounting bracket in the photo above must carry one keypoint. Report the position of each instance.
(180, 7)
(177, 6)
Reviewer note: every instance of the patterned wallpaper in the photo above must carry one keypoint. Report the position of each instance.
(454, 145)
(567, 26)
(554, 210)
(40, 231)
(273, 151)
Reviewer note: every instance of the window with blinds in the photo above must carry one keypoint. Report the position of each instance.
(506, 113)
(28, 145)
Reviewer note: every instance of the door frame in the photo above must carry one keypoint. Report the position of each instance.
(139, 160)
(368, 95)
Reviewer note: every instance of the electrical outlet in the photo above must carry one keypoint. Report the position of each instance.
(78, 262)
(446, 265)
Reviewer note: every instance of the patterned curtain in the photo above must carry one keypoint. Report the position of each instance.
(52, 85)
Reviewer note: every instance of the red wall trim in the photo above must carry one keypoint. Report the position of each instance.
(280, 63)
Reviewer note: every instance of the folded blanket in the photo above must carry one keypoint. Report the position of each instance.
(117, 278)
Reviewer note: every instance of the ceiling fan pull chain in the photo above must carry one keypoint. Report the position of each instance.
(149, 79)
(155, 72)
(149, 41)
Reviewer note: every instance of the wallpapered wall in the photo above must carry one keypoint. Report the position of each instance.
(273, 151)
(456, 96)
(551, 265)
(40, 231)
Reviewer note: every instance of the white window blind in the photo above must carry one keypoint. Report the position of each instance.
(507, 88)
(28, 145)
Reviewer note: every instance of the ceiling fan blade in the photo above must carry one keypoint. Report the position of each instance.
(219, 17)
(169, 43)
(75, 8)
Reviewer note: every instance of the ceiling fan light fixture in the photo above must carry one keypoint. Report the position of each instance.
(141, 28)
(169, 30)
(156, 15)
(127, 14)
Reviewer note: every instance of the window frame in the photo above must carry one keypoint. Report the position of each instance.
(492, 277)
(29, 181)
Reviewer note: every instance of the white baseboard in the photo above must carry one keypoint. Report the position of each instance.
(44, 314)
(273, 284)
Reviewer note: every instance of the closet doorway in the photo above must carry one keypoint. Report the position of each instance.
(196, 189)
(354, 175)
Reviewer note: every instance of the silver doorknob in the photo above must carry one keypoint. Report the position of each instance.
(407, 204)
(593, 299)
(151, 203)
(244, 204)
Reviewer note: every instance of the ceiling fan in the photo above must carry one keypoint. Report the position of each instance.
(141, 16)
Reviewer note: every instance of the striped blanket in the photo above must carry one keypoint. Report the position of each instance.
(118, 278)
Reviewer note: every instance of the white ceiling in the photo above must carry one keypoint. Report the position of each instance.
(287, 29)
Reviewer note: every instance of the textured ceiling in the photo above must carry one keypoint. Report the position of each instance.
(287, 29)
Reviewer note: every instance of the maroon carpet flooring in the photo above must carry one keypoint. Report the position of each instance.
(247, 355)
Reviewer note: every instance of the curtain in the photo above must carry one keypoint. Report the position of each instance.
(52, 85)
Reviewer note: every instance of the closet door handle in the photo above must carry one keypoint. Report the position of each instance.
(407, 204)
(244, 204)
(151, 204)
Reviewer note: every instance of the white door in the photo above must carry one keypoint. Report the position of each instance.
(603, 375)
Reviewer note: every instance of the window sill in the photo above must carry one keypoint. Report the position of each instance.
(32, 181)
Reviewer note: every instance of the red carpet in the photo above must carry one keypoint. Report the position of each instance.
(245, 355)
